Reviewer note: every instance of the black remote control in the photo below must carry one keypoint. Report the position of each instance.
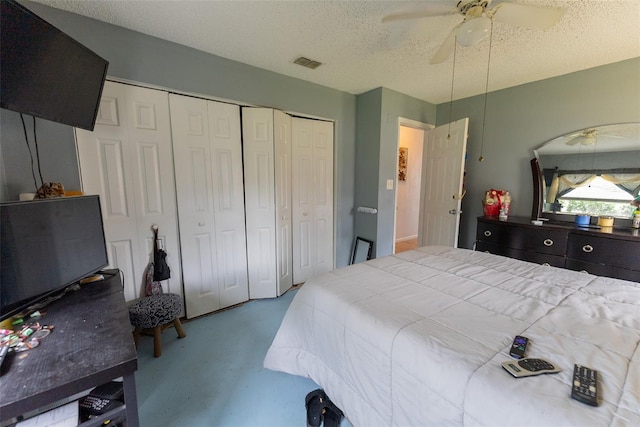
(111, 390)
(92, 405)
(4, 349)
(519, 347)
(585, 385)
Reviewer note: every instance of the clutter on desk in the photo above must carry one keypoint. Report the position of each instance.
(25, 334)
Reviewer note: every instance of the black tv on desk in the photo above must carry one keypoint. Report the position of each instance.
(47, 245)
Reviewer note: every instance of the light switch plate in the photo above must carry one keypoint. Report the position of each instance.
(389, 184)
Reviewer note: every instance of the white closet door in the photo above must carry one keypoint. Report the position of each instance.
(267, 171)
(128, 161)
(284, 242)
(312, 188)
(208, 161)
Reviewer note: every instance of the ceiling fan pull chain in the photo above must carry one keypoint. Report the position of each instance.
(453, 73)
(486, 90)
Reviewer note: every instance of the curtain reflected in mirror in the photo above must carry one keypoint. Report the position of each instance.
(593, 171)
(361, 250)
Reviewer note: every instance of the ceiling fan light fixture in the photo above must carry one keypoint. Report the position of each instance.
(472, 31)
(588, 139)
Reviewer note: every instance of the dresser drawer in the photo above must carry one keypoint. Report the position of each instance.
(538, 258)
(496, 234)
(603, 270)
(603, 250)
(491, 248)
(524, 238)
(542, 240)
(535, 257)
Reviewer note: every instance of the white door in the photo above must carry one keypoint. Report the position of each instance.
(267, 178)
(442, 184)
(312, 192)
(208, 164)
(128, 161)
(284, 239)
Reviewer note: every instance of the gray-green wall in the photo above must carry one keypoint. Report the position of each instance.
(517, 120)
(140, 58)
(522, 118)
(377, 115)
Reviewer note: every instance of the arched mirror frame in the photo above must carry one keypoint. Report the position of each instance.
(538, 181)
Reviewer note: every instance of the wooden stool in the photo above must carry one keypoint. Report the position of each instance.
(156, 312)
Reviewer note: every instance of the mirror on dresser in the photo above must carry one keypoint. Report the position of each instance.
(593, 172)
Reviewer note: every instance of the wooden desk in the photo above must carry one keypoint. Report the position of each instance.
(91, 344)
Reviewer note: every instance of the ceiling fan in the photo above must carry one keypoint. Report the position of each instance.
(477, 20)
(590, 136)
(586, 137)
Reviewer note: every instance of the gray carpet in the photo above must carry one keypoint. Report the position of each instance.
(214, 376)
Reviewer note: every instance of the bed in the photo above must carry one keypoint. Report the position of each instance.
(418, 338)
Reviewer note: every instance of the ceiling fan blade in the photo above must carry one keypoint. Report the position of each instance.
(418, 14)
(573, 141)
(446, 48)
(521, 15)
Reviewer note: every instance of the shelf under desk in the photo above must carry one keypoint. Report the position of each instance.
(91, 344)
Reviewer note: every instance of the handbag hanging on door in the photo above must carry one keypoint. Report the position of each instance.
(161, 270)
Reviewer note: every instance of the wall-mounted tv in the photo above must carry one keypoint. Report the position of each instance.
(46, 73)
(46, 245)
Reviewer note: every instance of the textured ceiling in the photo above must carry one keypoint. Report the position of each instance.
(359, 53)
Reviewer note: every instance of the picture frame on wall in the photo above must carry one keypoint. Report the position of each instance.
(403, 156)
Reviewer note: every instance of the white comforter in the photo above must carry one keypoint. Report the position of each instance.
(418, 339)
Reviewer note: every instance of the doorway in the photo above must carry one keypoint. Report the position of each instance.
(411, 137)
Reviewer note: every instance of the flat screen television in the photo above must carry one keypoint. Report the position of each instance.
(47, 245)
(46, 73)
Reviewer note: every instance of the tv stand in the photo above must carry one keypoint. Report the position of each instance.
(91, 344)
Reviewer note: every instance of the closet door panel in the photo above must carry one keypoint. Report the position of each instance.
(192, 158)
(323, 143)
(228, 197)
(304, 240)
(150, 149)
(208, 158)
(312, 189)
(259, 181)
(284, 238)
(127, 160)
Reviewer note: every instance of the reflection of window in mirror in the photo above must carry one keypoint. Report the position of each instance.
(594, 171)
(598, 197)
(589, 193)
(361, 250)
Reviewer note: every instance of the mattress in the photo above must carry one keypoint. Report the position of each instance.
(418, 338)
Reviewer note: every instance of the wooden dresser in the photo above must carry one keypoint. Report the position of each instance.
(611, 253)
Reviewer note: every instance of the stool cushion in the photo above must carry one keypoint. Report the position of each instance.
(155, 310)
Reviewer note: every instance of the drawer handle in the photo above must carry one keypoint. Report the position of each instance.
(548, 242)
(587, 248)
(487, 233)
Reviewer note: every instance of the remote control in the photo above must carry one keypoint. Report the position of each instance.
(585, 385)
(519, 347)
(529, 367)
(92, 405)
(4, 349)
(111, 390)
